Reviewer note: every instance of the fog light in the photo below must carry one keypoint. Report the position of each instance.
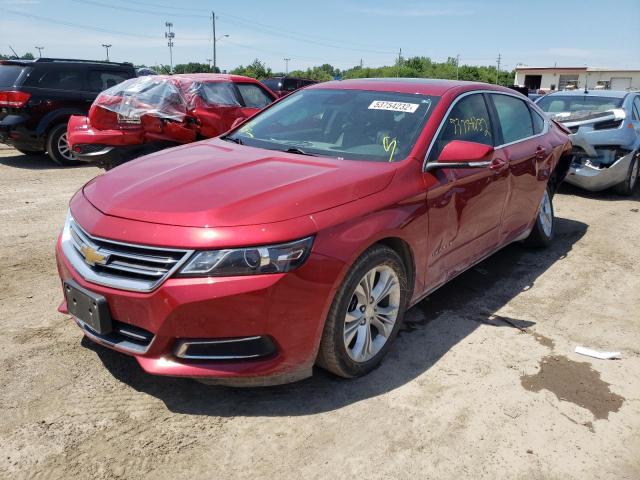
(240, 348)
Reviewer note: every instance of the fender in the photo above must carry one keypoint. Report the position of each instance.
(54, 117)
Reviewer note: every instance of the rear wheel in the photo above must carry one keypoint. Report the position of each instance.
(366, 314)
(58, 148)
(544, 228)
(627, 187)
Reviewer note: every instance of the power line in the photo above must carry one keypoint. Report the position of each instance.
(278, 30)
(75, 25)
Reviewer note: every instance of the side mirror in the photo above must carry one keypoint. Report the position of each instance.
(461, 154)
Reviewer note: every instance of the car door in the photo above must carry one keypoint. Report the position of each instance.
(464, 205)
(635, 116)
(528, 153)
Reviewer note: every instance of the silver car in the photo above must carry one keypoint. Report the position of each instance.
(605, 131)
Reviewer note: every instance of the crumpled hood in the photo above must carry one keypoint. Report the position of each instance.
(216, 183)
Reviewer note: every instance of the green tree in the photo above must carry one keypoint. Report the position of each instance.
(257, 69)
(28, 56)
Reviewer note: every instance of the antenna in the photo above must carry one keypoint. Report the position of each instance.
(14, 52)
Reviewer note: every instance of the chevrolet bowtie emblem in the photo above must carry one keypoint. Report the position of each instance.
(92, 256)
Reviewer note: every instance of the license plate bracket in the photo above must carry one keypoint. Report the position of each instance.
(89, 307)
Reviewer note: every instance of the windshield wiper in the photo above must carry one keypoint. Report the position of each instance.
(233, 139)
(299, 151)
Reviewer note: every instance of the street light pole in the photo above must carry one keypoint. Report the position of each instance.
(107, 46)
(39, 51)
(169, 35)
(286, 61)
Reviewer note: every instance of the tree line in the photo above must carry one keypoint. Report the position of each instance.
(414, 67)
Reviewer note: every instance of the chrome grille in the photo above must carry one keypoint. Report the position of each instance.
(116, 264)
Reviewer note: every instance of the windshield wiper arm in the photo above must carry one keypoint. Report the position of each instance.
(299, 151)
(233, 139)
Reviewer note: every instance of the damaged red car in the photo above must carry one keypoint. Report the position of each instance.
(301, 237)
(146, 114)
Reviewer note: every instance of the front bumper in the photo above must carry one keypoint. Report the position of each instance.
(587, 173)
(289, 309)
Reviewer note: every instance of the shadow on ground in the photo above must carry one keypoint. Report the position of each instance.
(34, 162)
(471, 300)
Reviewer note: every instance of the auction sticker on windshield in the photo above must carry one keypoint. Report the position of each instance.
(394, 106)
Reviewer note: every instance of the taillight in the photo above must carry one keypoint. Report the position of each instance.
(102, 119)
(13, 98)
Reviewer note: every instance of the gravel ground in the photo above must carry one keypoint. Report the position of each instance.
(481, 383)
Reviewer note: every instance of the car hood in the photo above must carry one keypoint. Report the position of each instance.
(217, 183)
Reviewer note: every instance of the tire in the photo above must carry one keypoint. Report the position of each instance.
(29, 152)
(58, 149)
(342, 349)
(543, 231)
(627, 187)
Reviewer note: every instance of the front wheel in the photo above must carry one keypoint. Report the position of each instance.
(366, 314)
(58, 147)
(544, 229)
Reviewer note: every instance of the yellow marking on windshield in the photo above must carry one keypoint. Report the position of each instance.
(390, 145)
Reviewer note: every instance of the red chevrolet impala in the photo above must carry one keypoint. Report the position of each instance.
(303, 235)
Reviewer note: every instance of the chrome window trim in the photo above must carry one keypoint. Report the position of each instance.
(112, 281)
(518, 96)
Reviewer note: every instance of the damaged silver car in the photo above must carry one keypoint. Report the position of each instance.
(605, 131)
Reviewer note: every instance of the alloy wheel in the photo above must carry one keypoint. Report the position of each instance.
(372, 313)
(63, 148)
(545, 214)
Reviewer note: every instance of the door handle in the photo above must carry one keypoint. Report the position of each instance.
(497, 164)
(541, 153)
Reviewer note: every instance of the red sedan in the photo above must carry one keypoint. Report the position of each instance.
(302, 237)
(149, 113)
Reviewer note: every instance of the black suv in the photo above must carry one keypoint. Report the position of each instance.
(38, 97)
(282, 86)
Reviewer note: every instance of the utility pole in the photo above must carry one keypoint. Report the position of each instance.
(399, 61)
(286, 69)
(107, 46)
(169, 35)
(457, 66)
(498, 69)
(213, 36)
(39, 51)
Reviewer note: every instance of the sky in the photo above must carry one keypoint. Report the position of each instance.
(340, 32)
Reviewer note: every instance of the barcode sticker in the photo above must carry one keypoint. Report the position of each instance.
(394, 106)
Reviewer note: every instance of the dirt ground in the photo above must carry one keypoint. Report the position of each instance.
(481, 383)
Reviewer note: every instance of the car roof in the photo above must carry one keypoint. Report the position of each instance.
(423, 86)
(211, 77)
(593, 93)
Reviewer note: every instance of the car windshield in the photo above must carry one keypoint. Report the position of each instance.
(345, 124)
(9, 74)
(577, 103)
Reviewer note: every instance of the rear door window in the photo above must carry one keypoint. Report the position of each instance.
(9, 74)
(58, 78)
(219, 93)
(538, 122)
(100, 80)
(253, 95)
(514, 117)
(290, 84)
(468, 121)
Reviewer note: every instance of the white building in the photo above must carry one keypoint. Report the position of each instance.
(559, 78)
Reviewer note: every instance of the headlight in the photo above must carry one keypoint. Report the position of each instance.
(248, 261)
